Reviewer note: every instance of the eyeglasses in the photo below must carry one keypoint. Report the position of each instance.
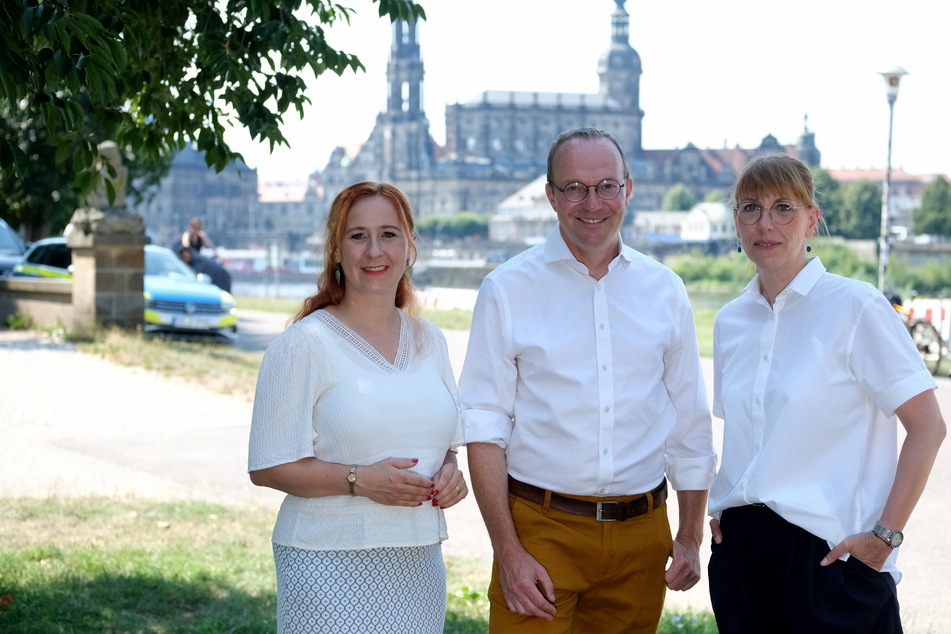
(607, 189)
(780, 213)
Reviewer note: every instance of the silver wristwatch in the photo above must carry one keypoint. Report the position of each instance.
(352, 479)
(890, 537)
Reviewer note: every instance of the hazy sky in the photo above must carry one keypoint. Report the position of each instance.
(714, 74)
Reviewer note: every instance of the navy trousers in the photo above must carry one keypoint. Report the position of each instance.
(765, 577)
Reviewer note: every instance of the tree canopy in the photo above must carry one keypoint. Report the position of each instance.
(153, 76)
(934, 215)
(678, 198)
(859, 210)
(464, 224)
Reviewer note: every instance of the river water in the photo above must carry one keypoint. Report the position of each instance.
(431, 297)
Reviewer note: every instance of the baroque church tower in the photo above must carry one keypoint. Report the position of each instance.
(619, 70)
(407, 147)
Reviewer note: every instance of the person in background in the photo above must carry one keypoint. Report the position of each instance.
(581, 389)
(812, 374)
(218, 274)
(356, 419)
(195, 236)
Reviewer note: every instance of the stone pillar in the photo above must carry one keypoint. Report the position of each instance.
(108, 256)
(108, 282)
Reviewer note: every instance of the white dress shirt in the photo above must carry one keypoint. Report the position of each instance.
(593, 387)
(808, 390)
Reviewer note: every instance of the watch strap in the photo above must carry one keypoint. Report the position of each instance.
(887, 535)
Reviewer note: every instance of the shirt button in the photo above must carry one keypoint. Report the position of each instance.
(607, 408)
(765, 357)
(605, 451)
(601, 326)
(605, 367)
(602, 491)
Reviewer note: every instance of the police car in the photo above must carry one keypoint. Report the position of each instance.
(176, 301)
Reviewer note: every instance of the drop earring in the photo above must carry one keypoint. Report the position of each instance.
(739, 249)
(808, 249)
(338, 275)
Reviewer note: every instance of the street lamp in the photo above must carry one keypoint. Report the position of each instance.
(892, 79)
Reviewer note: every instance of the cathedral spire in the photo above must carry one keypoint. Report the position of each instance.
(619, 70)
(620, 24)
(405, 73)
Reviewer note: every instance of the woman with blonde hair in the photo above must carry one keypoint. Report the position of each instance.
(812, 374)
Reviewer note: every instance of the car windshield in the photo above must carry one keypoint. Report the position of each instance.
(9, 242)
(164, 263)
(54, 254)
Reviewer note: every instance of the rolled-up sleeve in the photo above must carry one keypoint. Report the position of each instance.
(691, 460)
(487, 383)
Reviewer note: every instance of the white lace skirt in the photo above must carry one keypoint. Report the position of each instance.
(376, 591)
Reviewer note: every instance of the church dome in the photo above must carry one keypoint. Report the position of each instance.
(619, 57)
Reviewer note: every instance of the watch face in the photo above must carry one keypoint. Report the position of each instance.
(351, 477)
(897, 538)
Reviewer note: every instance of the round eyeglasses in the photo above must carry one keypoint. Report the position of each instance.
(607, 189)
(780, 213)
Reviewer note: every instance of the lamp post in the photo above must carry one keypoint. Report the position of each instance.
(892, 79)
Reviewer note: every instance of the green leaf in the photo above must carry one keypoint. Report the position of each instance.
(26, 21)
(63, 65)
(110, 191)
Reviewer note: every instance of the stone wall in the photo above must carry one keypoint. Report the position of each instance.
(48, 302)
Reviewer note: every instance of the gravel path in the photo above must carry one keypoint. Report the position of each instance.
(72, 424)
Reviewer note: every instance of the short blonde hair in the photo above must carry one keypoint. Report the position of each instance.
(778, 174)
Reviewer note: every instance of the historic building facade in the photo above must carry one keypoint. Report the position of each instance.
(236, 209)
(498, 142)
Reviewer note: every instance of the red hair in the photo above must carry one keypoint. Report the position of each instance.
(330, 292)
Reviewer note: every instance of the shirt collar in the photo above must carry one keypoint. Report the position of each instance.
(804, 281)
(557, 249)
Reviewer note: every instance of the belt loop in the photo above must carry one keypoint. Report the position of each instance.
(650, 504)
(547, 502)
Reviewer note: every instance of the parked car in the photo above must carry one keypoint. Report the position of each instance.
(12, 247)
(176, 300)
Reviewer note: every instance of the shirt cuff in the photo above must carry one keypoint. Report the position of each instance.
(479, 425)
(691, 474)
(896, 396)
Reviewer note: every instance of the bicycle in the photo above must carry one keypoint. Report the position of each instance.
(926, 337)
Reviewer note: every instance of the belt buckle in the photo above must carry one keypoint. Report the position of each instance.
(598, 514)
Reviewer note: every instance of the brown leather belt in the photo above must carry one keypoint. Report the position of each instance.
(604, 511)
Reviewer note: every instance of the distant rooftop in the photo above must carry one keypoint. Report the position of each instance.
(281, 191)
(518, 98)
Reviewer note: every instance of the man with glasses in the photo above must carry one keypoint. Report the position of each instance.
(582, 396)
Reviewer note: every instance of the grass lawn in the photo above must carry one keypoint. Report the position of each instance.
(130, 565)
(107, 565)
